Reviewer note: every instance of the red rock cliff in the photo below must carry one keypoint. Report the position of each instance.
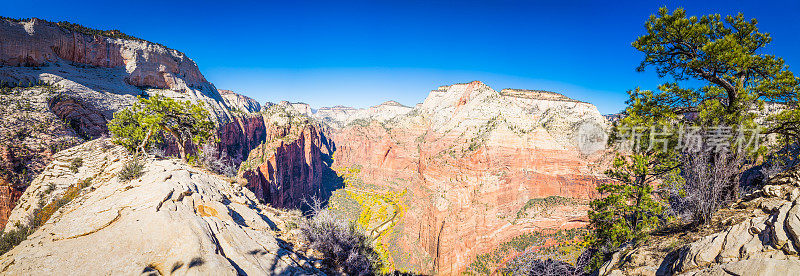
(470, 159)
(36, 42)
(289, 170)
(292, 163)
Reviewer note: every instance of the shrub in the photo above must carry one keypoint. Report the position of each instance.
(342, 244)
(76, 164)
(42, 215)
(14, 237)
(711, 180)
(529, 264)
(131, 170)
(211, 160)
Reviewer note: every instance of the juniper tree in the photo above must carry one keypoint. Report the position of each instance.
(150, 119)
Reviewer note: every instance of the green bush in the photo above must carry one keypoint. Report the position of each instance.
(76, 164)
(12, 238)
(132, 170)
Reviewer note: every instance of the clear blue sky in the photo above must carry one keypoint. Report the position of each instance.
(361, 53)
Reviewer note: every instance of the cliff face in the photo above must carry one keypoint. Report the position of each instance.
(127, 66)
(470, 159)
(239, 103)
(88, 77)
(35, 43)
(291, 164)
(341, 116)
(240, 136)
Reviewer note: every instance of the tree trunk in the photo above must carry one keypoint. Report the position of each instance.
(182, 151)
(178, 141)
(140, 148)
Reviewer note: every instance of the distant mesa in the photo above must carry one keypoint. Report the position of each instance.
(536, 95)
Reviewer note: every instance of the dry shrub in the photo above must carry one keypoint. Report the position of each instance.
(342, 244)
(213, 161)
(132, 170)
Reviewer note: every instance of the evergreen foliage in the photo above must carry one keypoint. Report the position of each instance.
(725, 56)
(628, 211)
(152, 119)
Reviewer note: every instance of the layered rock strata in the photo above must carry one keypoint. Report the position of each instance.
(289, 168)
(90, 74)
(470, 159)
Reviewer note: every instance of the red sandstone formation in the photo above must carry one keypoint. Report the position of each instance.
(291, 172)
(8, 198)
(239, 137)
(37, 42)
(464, 193)
(289, 167)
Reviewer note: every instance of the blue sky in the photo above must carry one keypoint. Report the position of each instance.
(361, 53)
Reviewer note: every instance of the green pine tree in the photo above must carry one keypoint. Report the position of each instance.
(149, 119)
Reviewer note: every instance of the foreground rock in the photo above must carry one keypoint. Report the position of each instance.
(759, 236)
(174, 219)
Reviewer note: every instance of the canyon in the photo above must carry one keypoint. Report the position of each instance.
(462, 167)
(470, 158)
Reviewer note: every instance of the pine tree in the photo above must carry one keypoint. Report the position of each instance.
(148, 120)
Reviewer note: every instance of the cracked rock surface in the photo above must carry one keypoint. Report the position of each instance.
(174, 219)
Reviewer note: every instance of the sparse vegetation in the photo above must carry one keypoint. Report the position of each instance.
(561, 245)
(43, 214)
(75, 164)
(545, 203)
(131, 170)
(14, 237)
(531, 264)
(213, 161)
(342, 243)
(84, 30)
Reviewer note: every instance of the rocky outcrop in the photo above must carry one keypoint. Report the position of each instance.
(292, 171)
(30, 133)
(239, 103)
(766, 244)
(301, 108)
(470, 159)
(125, 62)
(290, 166)
(37, 42)
(86, 121)
(239, 137)
(759, 235)
(174, 219)
(8, 199)
(90, 74)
